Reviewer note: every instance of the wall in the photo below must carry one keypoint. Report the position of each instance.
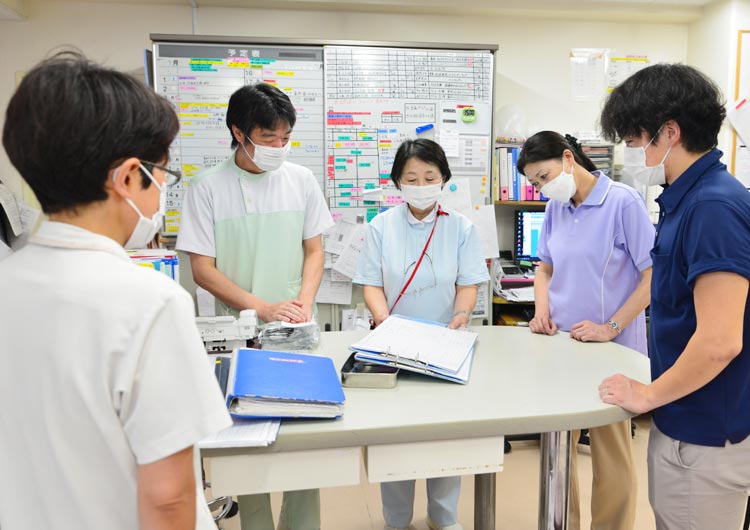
(711, 49)
(115, 34)
(532, 62)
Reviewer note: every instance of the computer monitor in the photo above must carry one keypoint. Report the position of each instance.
(528, 228)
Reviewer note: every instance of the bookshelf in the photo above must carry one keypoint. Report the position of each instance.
(522, 203)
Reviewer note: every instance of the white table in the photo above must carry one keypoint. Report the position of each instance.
(520, 383)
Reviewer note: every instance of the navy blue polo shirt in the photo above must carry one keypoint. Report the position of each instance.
(704, 227)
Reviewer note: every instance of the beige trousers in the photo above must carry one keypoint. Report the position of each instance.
(614, 487)
(300, 510)
(697, 487)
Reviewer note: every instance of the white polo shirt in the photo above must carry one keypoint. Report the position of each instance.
(254, 225)
(102, 370)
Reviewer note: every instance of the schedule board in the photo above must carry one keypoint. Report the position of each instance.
(199, 78)
(375, 98)
(355, 105)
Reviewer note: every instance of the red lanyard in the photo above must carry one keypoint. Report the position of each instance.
(440, 212)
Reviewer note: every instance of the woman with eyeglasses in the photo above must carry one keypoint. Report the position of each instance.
(421, 261)
(594, 282)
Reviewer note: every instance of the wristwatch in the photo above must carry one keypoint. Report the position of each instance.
(614, 325)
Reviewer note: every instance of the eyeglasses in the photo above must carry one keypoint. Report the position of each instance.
(173, 176)
(409, 270)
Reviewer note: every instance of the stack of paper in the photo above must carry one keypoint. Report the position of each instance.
(244, 433)
(343, 244)
(522, 294)
(272, 384)
(418, 346)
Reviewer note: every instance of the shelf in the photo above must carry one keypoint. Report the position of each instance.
(499, 300)
(522, 203)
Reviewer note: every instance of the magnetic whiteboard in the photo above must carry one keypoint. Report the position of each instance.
(199, 78)
(375, 98)
(355, 105)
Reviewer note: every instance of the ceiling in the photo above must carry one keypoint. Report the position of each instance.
(679, 11)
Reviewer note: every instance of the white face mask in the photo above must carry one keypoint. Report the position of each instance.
(636, 170)
(145, 229)
(561, 188)
(421, 197)
(266, 157)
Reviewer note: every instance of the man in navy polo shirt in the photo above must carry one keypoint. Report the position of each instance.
(699, 453)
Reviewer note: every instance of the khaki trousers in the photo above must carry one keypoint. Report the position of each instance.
(614, 487)
(697, 487)
(300, 510)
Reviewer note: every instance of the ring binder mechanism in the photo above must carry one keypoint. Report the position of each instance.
(428, 348)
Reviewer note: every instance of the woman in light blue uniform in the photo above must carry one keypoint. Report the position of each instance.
(425, 262)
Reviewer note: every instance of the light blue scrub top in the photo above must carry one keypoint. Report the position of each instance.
(393, 244)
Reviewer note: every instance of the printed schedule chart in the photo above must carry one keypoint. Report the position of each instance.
(199, 79)
(375, 98)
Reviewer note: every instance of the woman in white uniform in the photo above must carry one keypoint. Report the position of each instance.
(424, 262)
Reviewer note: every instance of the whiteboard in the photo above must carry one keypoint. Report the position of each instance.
(375, 98)
(355, 105)
(199, 79)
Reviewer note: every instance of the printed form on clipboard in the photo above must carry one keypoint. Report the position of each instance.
(420, 346)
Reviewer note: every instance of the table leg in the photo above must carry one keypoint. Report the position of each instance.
(484, 501)
(554, 480)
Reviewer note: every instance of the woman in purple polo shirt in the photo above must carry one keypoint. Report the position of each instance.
(593, 281)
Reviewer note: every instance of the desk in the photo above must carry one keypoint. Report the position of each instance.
(520, 383)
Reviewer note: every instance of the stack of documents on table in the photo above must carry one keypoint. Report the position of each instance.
(522, 294)
(244, 433)
(272, 384)
(428, 348)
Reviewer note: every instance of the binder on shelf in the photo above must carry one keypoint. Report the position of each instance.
(424, 347)
(503, 159)
(273, 384)
(515, 174)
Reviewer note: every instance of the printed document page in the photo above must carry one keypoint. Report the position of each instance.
(244, 433)
(427, 343)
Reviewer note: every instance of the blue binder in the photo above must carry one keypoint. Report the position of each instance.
(272, 384)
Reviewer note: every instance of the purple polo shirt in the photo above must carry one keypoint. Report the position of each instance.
(598, 251)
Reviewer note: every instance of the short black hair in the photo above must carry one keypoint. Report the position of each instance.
(424, 149)
(651, 97)
(548, 145)
(259, 105)
(71, 121)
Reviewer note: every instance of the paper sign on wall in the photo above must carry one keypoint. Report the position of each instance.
(620, 68)
(448, 140)
(331, 292)
(739, 117)
(587, 69)
(484, 220)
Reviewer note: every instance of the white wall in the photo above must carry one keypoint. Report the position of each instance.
(533, 67)
(115, 34)
(711, 44)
